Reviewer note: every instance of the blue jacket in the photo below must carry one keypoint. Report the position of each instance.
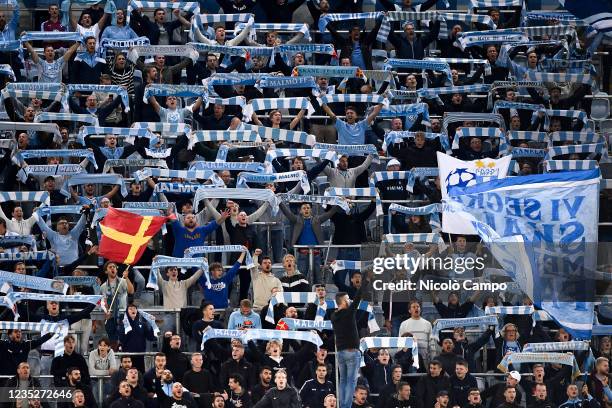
(183, 238)
(218, 292)
(136, 339)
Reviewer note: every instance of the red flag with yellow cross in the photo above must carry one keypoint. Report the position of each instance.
(125, 235)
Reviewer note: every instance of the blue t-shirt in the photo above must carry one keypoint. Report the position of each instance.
(351, 134)
(183, 238)
(357, 56)
(219, 288)
(307, 237)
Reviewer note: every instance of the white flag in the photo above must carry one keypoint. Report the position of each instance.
(458, 173)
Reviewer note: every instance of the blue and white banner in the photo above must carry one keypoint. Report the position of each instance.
(300, 324)
(190, 175)
(21, 156)
(548, 225)
(459, 173)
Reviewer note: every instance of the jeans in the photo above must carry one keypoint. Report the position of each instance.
(303, 265)
(348, 367)
(45, 369)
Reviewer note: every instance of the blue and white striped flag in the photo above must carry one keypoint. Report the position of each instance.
(40, 196)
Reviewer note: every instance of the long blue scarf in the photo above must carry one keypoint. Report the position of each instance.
(161, 261)
(298, 175)
(33, 282)
(81, 179)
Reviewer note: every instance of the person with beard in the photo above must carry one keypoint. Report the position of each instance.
(263, 386)
(15, 350)
(402, 398)
(496, 392)
(62, 365)
(22, 380)
(238, 396)
(73, 380)
(429, 386)
(309, 370)
(360, 397)
(126, 400)
(281, 396)
(138, 391)
(135, 341)
(177, 397)
(190, 234)
(237, 364)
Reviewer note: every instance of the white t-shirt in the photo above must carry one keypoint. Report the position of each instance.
(93, 31)
(50, 71)
(421, 330)
(173, 116)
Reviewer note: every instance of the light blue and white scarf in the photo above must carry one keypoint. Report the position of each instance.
(173, 50)
(495, 3)
(514, 106)
(569, 165)
(383, 33)
(127, 327)
(409, 176)
(410, 112)
(433, 238)
(313, 199)
(29, 90)
(486, 63)
(101, 213)
(209, 333)
(475, 38)
(581, 137)
(66, 116)
(356, 192)
(6, 69)
(320, 153)
(509, 310)
(393, 343)
(28, 256)
(287, 298)
(342, 264)
(527, 135)
(220, 49)
(162, 261)
(33, 282)
(237, 194)
(298, 175)
(284, 82)
(209, 249)
(49, 170)
(432, 210)
(97, 300)
(183, 91)
(231, 166)
(199, 20)
(90, 281)
(287, 50)
(350, 150)
(431, 93)
(122, 45)
(546, 358)
(328, 71)
(21, 156)
(553, 64)
(445, 17)
(482, 132)
(40, 196)
(111, 89)
(397, 136)
(283, 135)
(222, 135)
(549, 31)
(8, 241)
(519, 152)
(236, 100)
(561, 77)
(420, 65)
(191, 7)
(354, 98)
(131, 163)
(288, 27)
(117, 131)
(81, 179)
(13, 45)
(276, 103)
(50, 35)
(234, 78)
(441, 324)
(557, 346)
(300, 324)
(143, 174)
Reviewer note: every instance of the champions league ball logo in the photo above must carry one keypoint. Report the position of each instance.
(461, 178)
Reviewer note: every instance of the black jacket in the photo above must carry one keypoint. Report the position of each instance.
(313, 393)
(145, 27)
(394, 402)
(62, 363)
(413, 50)
(136, 339)
(242, 367)
(176, 361)
(275, 398)
(427, 389)
(345, 45)
(170, 402)
(128, 402)
(14, 353)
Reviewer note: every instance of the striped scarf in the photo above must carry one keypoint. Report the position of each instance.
(445, 17)
(301, 324)
(111, 89)
(81, 179)
(237, 194)
(482, 132)
(66, 116)
(174, 50)
(298, 175)
(549, 31)
(199, 20)
(527, 135)
(547, 358)
(453, 117)
(122, 45)
(127, 327)
(320, 153)
(286, 50)
(441, 324)
(397, 136)
(28, 256)
(519, 152)
(117, 131)
(29, 90)
(569, 165)
(432, 210)
(473, 38)
(162, 261)
(288, 27)
(21, 156)
(164, 128)
(90, 281)
(13, 45)
(276, 103)
(236, 100)
(183, 91)
(382, 35)
(486, 63)
(391, 342)
(569, 113)
(283, 82)
(328, 71)
(560, 16)
(222, 135)
(143, 174)
(313, 199)
(50, 35)
(220, 49)
(33, 282)
(162, 205)
(509, 310)
(582, 137)
(354, 98)
(191, 7)
(357, 192)
(283, 135)
(110, 163)
(495, 3)
(287, 298)
(557, 346)
(10, 241)
(350, 150)
(176, 188)
(432, 237)
(422, 65)
(197, 250)
(98, 300)
(430, 93)
(561, 77)
(49, 170)
(409, 176)
(514, 106)
(410, 112)
(229, 79)
(231, 166)
(341, 265)
(551, 64)
(40, 196)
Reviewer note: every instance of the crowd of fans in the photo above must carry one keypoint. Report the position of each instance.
(236, 295)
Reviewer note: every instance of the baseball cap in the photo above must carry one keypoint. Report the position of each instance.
(515, 374)
(393, 162)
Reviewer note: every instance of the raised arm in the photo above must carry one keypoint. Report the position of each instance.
(70, 52)
(154, 104)
(33, 53)
(329, 112)
(297, 119)
(240, 37)
(260, 211)
(374, 113)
